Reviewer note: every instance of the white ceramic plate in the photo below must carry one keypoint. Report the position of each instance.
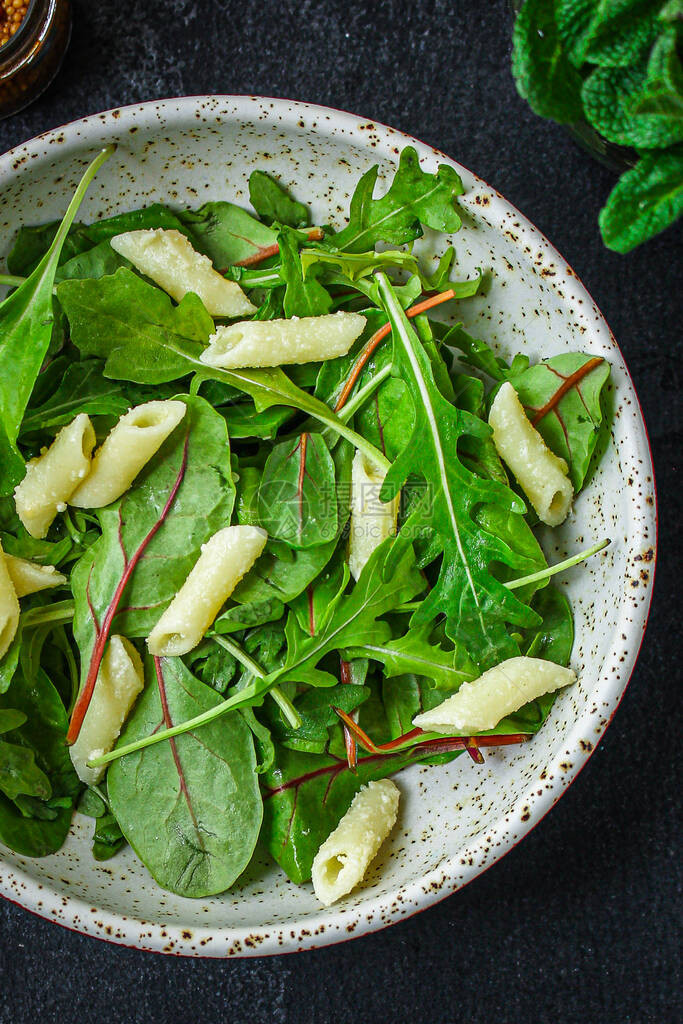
(458, 819)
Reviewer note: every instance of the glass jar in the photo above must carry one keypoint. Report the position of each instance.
(32, 56)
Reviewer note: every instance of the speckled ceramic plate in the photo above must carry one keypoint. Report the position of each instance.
(458, 819)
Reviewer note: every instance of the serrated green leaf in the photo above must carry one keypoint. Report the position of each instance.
(544, 76)
(645, 201)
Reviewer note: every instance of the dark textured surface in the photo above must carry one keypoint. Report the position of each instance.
(579, 921)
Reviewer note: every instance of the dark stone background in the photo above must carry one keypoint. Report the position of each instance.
(580, 920)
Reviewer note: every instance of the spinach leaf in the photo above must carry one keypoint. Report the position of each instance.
(476, 604)
(414, 198)
(544, 76)
(246, 616)
(562, 398)
(100, 261)
(297, 498)
(272, 202)
(226, 233)
(32, 243)
(82, 389)
(36, 820)
(190, 808)
(183, 495)
(644, 201)
(315, 708)
(135, 327)
(26, 320)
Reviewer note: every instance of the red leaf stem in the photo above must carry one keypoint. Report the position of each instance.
(314, 235)
(567, 384)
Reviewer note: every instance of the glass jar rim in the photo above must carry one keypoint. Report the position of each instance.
(15, 42)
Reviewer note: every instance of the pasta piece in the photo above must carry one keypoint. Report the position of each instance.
(167, 257)
(307, 339)
(343, 859)
(9, 606)
(52, 478)
(372, 521)
(224, 560)
(131, 444)
(540, 473)
(500, 691)
(29, 577)
(119, 681)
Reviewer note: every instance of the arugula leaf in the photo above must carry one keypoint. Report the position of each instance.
(568, 387)
(32, 243)
(184, 494)
(644, 201)
(26, 321)
(544, 76)
(272, 202)
(414, 198)
(226, 233)
(135, 327)
(190, 808)
(297, 498)
(476, 605)
(356, 617)
(82, 389)
(304, 295)
(446, 667)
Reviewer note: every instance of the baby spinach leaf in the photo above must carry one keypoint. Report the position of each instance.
(282, 572)
(32, 243)
(226, 233)
(476, 605)
(272, 202)
(297, 498)
(190, 808)
(100, 261)
(135, 327)
(561, 396)
(26, 321)
(183, 495)
(414, 198)
(644, 201)
(82, 389)
(315, 708)
(37, 826)
(246, 616)
(544, 76)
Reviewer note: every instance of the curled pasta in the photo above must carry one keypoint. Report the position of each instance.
(344, 857)
(500, 691)
(167, 257)
(9, 607)
(52, 477)
(119, 681)
(128, 448)
(372, 521)
(541, 474)
(29, 577)
(277, 342)
(224, 560)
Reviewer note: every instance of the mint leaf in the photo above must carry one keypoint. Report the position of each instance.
(610, 98)
(544, 76)
(644, 201)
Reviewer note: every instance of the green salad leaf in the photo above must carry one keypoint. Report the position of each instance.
(191, 808)
(644, 201)
(272, 202)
